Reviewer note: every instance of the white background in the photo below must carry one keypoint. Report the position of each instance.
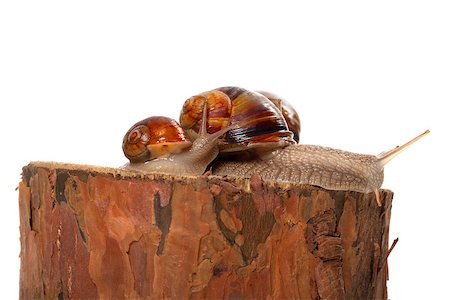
(363, 76)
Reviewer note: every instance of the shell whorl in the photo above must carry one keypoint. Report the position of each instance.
(288, 111)
(265, 121)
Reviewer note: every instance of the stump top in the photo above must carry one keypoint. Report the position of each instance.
(132, 174)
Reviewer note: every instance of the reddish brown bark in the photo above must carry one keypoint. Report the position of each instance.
(104, 233)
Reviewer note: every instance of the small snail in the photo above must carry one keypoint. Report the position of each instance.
(262, 125)
(159, 145)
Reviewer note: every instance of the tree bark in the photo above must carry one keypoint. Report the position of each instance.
(89, 232)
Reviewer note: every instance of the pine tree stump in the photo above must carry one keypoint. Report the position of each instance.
(90, 232)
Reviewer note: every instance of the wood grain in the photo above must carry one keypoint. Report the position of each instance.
(90, 232)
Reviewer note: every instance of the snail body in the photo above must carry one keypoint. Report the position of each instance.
(316, 165)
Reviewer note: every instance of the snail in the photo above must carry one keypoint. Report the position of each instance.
(159, 145)
(249, 123)
(281, 159)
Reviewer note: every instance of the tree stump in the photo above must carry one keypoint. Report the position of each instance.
(90, 232)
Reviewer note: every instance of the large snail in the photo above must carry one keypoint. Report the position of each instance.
(253, 124)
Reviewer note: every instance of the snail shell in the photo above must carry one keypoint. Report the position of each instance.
(218, 114)
(152, 138)
(262, 125)
(288, 111)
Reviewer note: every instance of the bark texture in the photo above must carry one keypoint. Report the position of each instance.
(89, 232)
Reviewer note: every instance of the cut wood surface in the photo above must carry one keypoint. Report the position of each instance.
(90, 232)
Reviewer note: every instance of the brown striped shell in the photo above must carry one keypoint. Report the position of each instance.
(261, 124)
(288, 111)
(219, 111)
(154, 137)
